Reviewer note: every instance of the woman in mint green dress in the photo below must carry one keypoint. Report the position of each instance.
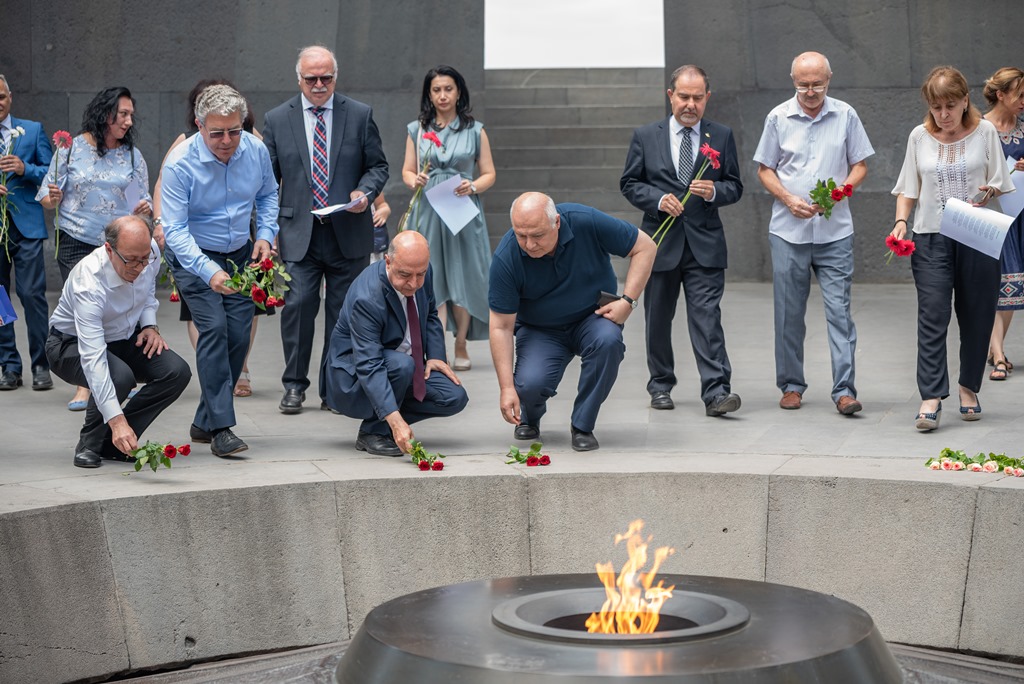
(460, 261)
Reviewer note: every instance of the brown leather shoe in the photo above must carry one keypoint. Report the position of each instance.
(847, 405)
(790, 401)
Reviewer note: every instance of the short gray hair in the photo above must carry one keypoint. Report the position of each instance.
(307, 51)
(112, 231)
(792, 66)
(532, 201)
(221, 100)
(4, 79)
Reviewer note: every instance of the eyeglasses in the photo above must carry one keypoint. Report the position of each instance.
(231, 133)
(816, 89)
(311, 80)
(134, 263)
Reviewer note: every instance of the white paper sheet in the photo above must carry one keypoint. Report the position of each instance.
(334, 208)
(1012, 203)
(453, 210)
(133, 194)
(977, 227)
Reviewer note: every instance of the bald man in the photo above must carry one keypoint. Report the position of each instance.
(386, 363)
(546, 283)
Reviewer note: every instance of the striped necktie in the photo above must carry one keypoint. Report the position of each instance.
(685, 157)
(319, 160)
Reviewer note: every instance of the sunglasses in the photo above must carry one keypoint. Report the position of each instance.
(231, 133)
(311, 80)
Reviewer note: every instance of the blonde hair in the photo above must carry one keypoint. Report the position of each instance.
(1007, 80)
(946, 84)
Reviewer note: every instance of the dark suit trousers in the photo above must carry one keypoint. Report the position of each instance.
(542, 355)
(443, 397)
(323, 260)
(944, 269)
(223, 322)
(26, 256)
(703, 289)
(166, 376)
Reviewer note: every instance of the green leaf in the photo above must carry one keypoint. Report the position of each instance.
(138, 465)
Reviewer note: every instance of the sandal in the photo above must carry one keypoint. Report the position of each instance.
(926, 422)
(243, 388)
(971, 412)
(1000, 371)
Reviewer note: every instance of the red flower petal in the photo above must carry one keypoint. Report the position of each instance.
(532, 461)
(432, 137)
(891, 242)
(545, 460)
(174, 297)
(170, 451)
(267, 264)
(837, 194)
(62, 140)
(185, 449)
(438, 465)
(848, 190)
(423, 465)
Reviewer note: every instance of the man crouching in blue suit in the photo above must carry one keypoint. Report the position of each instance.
(387, 362)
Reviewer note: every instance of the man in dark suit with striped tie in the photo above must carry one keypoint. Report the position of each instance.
(326, 150)
(662, 161)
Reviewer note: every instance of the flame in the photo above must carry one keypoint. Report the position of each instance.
(632, 605)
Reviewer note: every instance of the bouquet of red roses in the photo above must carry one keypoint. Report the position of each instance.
(265, 282)
(154, 454)
(826, 194)
(423, 459)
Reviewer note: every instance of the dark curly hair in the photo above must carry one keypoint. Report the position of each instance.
(190, 117)
(100, 110)
(462, 106)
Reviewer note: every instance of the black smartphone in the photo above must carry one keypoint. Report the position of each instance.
(606, 298)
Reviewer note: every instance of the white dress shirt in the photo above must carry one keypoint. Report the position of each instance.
(309, 118)
(98, 307)
(675, 139)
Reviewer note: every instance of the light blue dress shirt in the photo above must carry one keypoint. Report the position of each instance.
(206, 204)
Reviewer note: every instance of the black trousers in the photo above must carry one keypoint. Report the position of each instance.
(952, 277)
(166, 376)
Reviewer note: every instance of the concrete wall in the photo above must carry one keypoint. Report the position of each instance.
(98, 580)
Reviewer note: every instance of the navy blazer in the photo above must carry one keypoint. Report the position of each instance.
(372, 320)
(356, 162)
(34, 149)
(650, 174)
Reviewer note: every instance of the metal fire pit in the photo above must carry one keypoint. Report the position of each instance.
(529, 630)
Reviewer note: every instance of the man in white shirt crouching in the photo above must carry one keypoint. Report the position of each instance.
(103, 335)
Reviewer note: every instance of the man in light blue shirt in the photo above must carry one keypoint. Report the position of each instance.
(207, 198)
(809, 138)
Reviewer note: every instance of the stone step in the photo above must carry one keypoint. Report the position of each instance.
(506, 136)
(521, 157)
(574, 95)
(576, 115)
(564, 177)
(569, 77)
(500, 200)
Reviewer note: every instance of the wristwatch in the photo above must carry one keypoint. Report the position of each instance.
(151, 327)
(632, 302)
(472, 188)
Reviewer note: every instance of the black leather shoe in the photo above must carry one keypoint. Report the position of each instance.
(225, 443)
(9, 381)
(583, 441)
(526, 433)
(378, 445)
(292, 400)
(199, 435)
(41, 379)
(722, 404)
(87, 458)
(662, 401)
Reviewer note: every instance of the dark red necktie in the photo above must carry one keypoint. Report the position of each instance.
(419, 385)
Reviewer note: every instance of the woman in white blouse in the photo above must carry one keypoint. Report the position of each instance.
(954, 153)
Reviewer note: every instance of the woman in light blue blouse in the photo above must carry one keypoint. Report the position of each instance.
(92, 183)
(96, 178)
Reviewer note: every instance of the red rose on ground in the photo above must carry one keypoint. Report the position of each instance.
(185, 449)
(545, 460)
(438, 465)
(258, 295)
(170, 451)
(532, 461)
(423, 465)
(848, 190)
(837, 194)
(267, 264)
(174, 296)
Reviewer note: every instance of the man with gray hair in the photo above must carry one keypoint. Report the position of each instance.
(326, 151)
(207, 198)
(808, 138)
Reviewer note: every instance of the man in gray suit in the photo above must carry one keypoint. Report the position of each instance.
(662, 161)
(325, 150)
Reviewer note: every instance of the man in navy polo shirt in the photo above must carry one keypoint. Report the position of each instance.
(547, 276)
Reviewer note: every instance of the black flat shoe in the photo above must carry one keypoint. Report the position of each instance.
(199, 435)
(378, 445)
(526, 433)
(662, 401)
(722, 404)
(225, 443)
(9, 381)
(41, 379)
(291, 402)
(583, 441)
(87, 458)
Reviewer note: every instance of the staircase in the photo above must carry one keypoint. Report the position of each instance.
(566, 132)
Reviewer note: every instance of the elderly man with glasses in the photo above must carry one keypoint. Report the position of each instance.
(207, 197)
(104, 336)
(808, 138)
(326, 151)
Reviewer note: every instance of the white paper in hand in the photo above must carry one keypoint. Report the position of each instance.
(976, 227)
(454, 211)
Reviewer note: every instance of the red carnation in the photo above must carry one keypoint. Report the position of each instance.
(174, 296)
(848, 190)
(423, 465)
(258, 295)
(837, 194)
(170, 451)
(185, 449)
(432, 137)
(532, 461)
(267, 264)
(545, 460)
(62, 140)
(438, 465)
